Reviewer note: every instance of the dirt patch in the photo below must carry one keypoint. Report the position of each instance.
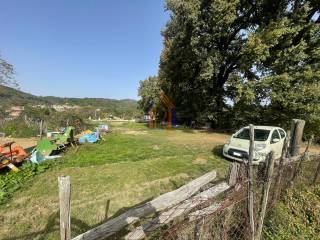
(117, 123)
(164, 180)
(131, 132)
(312, 149)
(199, 138)
(156, 147)
(23, 142)
(215, 137)
(200, 160)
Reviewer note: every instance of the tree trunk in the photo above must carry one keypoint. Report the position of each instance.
(218, 106)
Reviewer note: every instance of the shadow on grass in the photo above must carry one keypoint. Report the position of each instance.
(188, 130)
(191, 130)
(159, 126)
(53, 225)
(78, 227)
(217, 151)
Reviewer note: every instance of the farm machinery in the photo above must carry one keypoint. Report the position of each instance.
(46, 147)
(11, 156)
(60, 141)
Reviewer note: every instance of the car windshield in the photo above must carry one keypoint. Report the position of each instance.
(259, 134)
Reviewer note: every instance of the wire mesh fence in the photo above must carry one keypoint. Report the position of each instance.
(227, 217)
(228, 222)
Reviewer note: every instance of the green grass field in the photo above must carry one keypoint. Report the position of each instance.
(132, 165)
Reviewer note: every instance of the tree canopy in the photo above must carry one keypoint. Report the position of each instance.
(254, 61)
(149, 91)
(6, 73)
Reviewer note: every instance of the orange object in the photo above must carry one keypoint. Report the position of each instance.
(168, 103)
(14, 154)
(153, 118)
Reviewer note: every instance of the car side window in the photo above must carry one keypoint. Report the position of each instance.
(275, 134)
(282, 133)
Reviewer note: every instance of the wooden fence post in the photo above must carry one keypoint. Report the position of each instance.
(41, 128)
(316, 174)
(250, 182)
(285, 148)
(65, 208)
(296, 136)
(234, 169)
(265, 196)
(298, 168)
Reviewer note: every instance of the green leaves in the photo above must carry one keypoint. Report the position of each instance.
(231, 57)
(296, 216)
(149, 91)
(11, 182)
(6, 73)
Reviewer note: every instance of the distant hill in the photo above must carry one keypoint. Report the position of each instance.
(12, 97)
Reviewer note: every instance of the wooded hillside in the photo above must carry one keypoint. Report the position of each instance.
(10, 97)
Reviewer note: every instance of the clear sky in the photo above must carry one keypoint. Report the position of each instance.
(82, 48)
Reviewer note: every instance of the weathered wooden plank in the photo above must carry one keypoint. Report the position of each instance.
(302, 159)
(158, 204)
(65, 208)
(178, 210)
(277, 184)
(204, 212)
(296, 136)
(317, 173)
(233, 173)
(265, 196)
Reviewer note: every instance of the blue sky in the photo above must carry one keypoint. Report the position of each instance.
(81, 48)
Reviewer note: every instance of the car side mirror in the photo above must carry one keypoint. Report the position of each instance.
(275, 140)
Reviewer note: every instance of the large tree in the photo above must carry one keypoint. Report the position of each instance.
(285, 81)
(6, 73)
(203, 45)
(149, 91)
(221, 53)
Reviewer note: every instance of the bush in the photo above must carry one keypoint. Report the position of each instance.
(297, 216)
(11, 182)
(18, 128)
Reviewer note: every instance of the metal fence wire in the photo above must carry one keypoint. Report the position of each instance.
(226, 217)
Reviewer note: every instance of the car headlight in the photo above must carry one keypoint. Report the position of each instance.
(260, 146)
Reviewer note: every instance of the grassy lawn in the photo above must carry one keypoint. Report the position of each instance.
(132, 165)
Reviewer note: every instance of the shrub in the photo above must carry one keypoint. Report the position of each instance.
(297, 216)
(18, 128)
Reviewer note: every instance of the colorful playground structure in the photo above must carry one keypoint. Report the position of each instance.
(171, 113)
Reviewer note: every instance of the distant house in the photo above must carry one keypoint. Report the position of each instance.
(41, 106)
(15, 111)
(65, 107)
(14, 114)
(17, 108)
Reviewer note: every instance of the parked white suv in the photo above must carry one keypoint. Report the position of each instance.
(266, 139)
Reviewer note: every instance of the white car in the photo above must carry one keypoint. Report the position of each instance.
(266, 139)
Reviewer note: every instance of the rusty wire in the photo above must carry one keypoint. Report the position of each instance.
(230, 218)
